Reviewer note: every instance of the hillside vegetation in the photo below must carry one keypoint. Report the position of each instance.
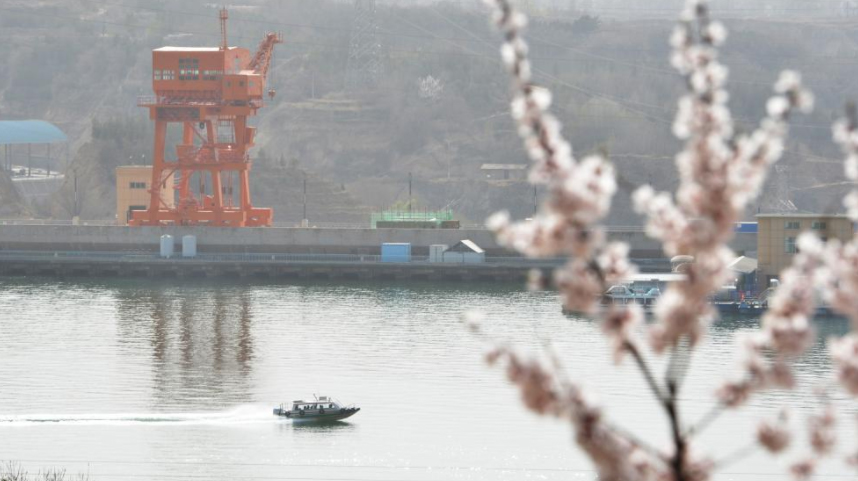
(83, 63)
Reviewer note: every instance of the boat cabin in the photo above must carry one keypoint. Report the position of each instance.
(321, 404)
(624, 294)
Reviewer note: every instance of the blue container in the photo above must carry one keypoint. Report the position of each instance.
(395, 252)
(746, 227)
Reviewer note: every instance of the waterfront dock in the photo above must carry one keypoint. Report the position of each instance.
(271, 253)
(263, 266)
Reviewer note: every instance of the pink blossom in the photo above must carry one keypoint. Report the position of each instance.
(679, 317)
(579, 286)
(789, 335)
(698, 469)
(787, 323)
(617, 324)
(822, 431)
(802, 470)
(614, 263)
(779, 375)
(538, 387)
(734, 394)
(774, 436)
(844, 352)
(720, 173)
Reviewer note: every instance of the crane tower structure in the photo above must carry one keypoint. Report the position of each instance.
(210, 92)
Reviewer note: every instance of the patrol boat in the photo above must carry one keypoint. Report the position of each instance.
(321, 409)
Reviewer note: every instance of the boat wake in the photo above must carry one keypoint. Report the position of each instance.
(237, 416)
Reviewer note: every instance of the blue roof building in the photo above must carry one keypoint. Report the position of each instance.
(30, 132)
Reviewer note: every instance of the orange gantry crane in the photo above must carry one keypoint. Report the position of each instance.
(210, 91)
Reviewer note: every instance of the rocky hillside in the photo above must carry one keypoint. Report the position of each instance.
(12, 205)
(82, 63)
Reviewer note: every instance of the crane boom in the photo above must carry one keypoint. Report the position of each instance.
(262, 59)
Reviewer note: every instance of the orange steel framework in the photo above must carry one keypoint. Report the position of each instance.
(211, 91)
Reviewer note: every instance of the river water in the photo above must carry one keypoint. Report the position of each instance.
(140, 379)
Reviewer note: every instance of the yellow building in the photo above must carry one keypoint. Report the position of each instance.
(777, 234)
(132, 190)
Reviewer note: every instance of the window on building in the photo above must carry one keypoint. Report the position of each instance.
(817, 225)
(137, 185)
(189, 69)
(792, 225)
(164, 74)
(789, 245)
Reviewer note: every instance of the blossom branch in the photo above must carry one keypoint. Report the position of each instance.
(719, 172)
(707, 420)
(579, 192)
(646, 372)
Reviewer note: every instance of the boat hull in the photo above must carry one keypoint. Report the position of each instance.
(326, 417)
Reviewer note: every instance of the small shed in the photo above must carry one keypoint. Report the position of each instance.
(464, 252)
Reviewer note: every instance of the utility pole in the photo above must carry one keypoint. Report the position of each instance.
(74, 207)
(305, 222)
(409, 192)
(535, 205)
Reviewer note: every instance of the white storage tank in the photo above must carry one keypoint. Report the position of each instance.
(166, 245)
(189, 246)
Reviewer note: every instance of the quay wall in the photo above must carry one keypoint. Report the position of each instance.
(273, 268)
(275, 240)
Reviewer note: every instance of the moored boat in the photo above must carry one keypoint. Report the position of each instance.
(623, 294)
(321, 409)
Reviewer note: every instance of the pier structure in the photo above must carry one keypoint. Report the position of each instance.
(273, 252)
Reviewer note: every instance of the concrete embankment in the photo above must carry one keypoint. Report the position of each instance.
(262, 266)
(276, 240)
(272, 253)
